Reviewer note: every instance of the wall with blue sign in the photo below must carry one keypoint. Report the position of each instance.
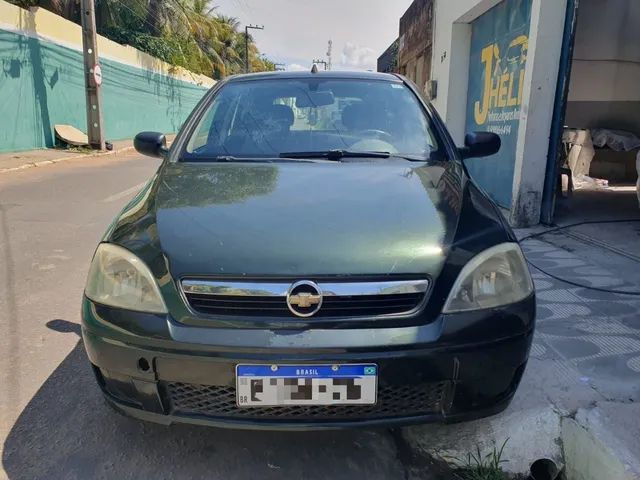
(499, 44)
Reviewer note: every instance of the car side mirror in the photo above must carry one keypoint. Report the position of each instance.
(480, 144)
(152, 144)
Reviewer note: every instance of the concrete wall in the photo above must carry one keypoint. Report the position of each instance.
(416, 36)
(388, 61)
(42, 83)
(605, 81)
(450, 69)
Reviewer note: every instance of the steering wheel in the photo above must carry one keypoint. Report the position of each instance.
(380, 134)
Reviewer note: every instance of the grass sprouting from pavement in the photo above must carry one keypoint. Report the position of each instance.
(483, 467)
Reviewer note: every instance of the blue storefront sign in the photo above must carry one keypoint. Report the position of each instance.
(499, 43)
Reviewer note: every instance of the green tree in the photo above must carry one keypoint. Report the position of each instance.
(188, 33)
(227, 46)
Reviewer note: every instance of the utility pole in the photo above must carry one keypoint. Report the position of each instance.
(92, 75)
(323, 62)
(330, 55)
(247, 67)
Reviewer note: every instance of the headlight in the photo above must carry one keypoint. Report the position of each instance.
(498, 276)
(120, 279)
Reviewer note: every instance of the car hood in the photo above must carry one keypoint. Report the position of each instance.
(307, 219)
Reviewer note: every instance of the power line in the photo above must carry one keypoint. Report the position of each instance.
(137, 15)
(242, 7)
(157, 18)
(245, 6)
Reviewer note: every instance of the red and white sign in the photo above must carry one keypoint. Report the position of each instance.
(97, 75)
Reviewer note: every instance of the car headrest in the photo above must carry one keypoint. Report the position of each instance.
(358, 116)
(281, 115)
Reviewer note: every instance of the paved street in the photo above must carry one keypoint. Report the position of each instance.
(53, 423)
(525, 109)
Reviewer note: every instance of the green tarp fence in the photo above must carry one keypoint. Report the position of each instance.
(42, 84)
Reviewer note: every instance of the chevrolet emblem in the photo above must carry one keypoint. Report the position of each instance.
(305, 300)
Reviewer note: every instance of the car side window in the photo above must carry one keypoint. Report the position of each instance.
(200, 137)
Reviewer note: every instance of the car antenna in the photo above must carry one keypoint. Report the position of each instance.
(314, 69)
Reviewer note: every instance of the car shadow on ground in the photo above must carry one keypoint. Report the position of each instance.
(67, 431)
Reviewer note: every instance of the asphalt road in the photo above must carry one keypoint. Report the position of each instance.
(53, 421)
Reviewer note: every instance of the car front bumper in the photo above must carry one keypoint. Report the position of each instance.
(425, 375)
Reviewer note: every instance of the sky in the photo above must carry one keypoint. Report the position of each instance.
(297, 31)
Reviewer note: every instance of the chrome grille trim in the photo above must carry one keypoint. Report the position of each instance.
(280, 289)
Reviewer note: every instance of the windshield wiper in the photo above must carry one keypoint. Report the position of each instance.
(335, 155)
(232, 158)
(412, 158)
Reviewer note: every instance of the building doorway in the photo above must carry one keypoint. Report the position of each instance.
(594, 178)
(598, 159)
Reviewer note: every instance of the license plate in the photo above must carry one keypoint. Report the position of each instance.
(273, 385)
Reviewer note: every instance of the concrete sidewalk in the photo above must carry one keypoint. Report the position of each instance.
(12, 161)
(578, 403)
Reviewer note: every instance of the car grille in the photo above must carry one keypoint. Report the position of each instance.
(220, 401)
(364, 299)
(370, 305)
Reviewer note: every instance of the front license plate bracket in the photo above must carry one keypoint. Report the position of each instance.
(282, 385)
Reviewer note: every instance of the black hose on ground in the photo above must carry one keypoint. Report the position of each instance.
(570, 282)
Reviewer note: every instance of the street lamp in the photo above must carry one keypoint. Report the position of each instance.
(247, 67)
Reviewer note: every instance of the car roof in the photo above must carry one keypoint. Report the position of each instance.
(342, 75)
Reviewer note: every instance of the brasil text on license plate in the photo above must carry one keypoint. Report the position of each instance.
(273, 385)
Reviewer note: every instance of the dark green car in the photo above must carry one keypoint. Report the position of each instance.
(310, 254)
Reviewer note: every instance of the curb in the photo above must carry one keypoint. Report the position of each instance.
(592, 439)
(594, 448)
(43, 163)
(526, 434)
(582, 443)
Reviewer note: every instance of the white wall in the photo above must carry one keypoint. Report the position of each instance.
(606, 59)
(605, 80)
(452, 37)
(541, 80)
(450, 65)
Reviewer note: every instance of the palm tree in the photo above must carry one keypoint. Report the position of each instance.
(189, 33)
(168, 16)
(232, 23)
(201, 7)
(227, 45)
(153, 16)
(69, 9)
(202, 28)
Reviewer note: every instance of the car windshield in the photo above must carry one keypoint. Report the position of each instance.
(306, 117)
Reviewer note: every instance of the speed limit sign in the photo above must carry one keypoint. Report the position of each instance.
(97, 75)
